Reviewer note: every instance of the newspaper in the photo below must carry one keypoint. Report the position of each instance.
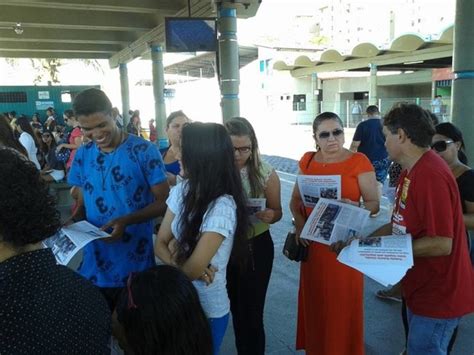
(69, 240)
(313, 187)
(332, 221)
(255, 205)
(383, 259)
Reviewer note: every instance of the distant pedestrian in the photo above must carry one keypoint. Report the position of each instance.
(356, 113)
(369, 139)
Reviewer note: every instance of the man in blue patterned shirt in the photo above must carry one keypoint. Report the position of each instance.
(122, 187)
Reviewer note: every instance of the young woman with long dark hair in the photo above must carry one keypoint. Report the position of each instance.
(28, 139)
(206, 222)
(160, 313)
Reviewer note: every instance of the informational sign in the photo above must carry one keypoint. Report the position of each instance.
(43, 95)
(43, 105)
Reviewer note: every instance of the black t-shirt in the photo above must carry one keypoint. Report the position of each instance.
(466, 187)
(49, 309)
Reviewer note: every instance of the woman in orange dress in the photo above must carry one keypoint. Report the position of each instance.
(330, 299)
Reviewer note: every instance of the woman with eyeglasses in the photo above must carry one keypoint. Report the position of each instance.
(248, 288)
(330, 299)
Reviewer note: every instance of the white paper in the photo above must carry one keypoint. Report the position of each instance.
(255, 205)
(69, 240)
(383, 259)
(332, 221)
(314, 187)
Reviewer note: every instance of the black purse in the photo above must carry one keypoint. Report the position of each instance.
(293, 251)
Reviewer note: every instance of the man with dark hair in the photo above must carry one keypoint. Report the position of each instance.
(369, 139)
(439, 288)
(45, 308)
(121, 187)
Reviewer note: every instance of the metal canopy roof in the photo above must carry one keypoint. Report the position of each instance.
(204, 65)
(407, 52)
(118, 30)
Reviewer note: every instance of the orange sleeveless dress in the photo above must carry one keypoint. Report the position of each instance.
(330, 298)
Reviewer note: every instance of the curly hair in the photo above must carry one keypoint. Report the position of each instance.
(28, 213)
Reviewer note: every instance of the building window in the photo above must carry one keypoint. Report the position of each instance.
(13, 96)
(299, 102)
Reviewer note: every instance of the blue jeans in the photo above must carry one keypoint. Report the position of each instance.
(218, 328)
(381, 169)
(429, 336)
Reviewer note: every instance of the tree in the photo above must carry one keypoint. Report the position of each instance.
(47, 69)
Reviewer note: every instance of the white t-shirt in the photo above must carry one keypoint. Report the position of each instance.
(28, 142)
(220, 218)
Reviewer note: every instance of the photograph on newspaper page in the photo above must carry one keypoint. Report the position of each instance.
(255, 205)
(314, 187)
(69, 240)
(332, 221)
(384, 259)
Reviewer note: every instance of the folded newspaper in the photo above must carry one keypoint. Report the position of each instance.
(383, 259)
(314, 187)
(69, 240)
(332, 221)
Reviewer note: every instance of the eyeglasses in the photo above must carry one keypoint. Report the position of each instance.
(46, 136)
(325, 135)
(441, 146)
(243, 150)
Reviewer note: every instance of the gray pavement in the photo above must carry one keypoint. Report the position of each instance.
(383, 326)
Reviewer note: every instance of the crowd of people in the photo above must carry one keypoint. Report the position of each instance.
(216, 255)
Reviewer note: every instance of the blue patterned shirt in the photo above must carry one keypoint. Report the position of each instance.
(116, 184)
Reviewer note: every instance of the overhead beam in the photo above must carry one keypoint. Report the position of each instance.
(78, 19)
(201, 8)
(62, 55)
(128, 6)
(59, 47)
(42, 35)
(384, 59)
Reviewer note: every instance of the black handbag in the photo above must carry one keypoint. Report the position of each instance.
(293, 251)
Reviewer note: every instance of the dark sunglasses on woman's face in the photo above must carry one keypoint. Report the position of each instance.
(325, 135)
(441, 146)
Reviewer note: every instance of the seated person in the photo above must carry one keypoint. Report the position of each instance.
(53, 169)
(45, 308)
(160, 313)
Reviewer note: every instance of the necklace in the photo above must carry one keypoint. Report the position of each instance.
(111, 163)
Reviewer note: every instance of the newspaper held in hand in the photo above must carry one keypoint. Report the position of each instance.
(383, 259)
(332, 221)
(314, 187)
(255, 205)
(69, 240)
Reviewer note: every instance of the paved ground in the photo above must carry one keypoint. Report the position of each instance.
(383, 328)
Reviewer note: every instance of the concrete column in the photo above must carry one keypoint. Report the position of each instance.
(373, 84)
(462, 103)
(228, 63)
(125, 93)
(314, 96)
(158, 93)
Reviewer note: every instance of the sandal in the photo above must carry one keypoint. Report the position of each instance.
(388, 295)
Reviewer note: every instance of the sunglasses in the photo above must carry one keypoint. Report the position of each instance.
(441, 146)
(325, 135)
(243, 150)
